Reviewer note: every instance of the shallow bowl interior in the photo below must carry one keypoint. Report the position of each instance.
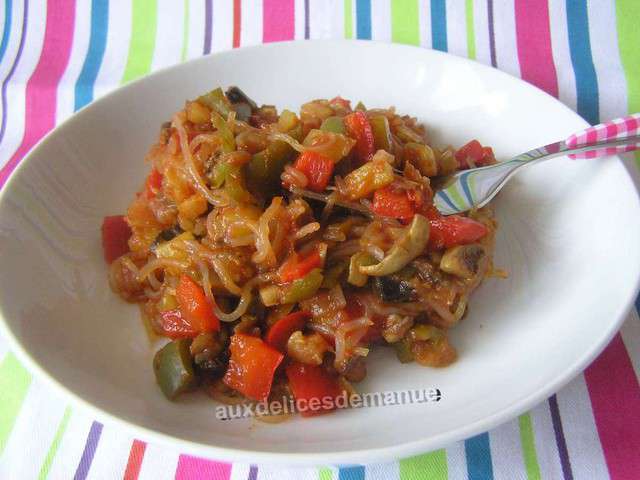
(565, 239)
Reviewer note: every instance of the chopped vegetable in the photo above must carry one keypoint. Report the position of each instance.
(216, 101)
(173, 249)
(455, 230)
(333, 124)
(303, 288)
(408, 247)
(173, 367)
(369, 177)
(394, 203)
(392, 289)
(280, 331)
(473, 154)
(309, 349)
(115, 237)
(360, 259)
(198, 113)
(403, 351)
(173, 325)
(422, 157)
(287, 121)
(358, 127)
(317, 168)
(153, 184)
(314, 389)
(296, 267)
(335, 146)
(264, 170)
(333, 274)
(341, 102)
(195, 306)
(463, 260)
(381, 133)
(252, 366)
(228, 140)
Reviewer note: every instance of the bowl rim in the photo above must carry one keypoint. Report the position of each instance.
(345, 457)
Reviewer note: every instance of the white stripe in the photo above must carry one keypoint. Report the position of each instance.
(23, 454)
(299, 19)
(630, 333)
(111, 456)
(456, 28)
(16, 89)
(580, 431)
(320, 23)
(251, 23)
(612, 86)
(424, 13)
(275, 472)
(222, 35)
(195, 42)
(168, 45)
(66, 88)
(239, 471)
(382, 471)
(116, 50)
(335, 21)
(13, 41)
(159, 463)
(506, 451)
(381, 21)
(70, 450)
(505, 35)
(567, 92)
(456, 462)
(545, 442)
(481, 30)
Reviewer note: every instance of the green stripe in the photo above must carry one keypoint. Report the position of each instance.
(46, 466)
(185, 31)
(144, 19)
(471, 34)
(456, 197)
(528, 447)
(14, 383)
(627, 14)
(348, 19)
(405, 22)
(432, 465)
(325, 474)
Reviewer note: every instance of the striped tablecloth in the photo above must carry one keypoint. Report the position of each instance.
(58, 55)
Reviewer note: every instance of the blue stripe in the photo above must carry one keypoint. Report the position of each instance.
(465, 187)
(351, 473)
(439, 25)
(8, 8)
(447, 200)
(478, 453)
(363, 19)
(585, 72)
(97, 44)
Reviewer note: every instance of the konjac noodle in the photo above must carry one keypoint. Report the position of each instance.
(273, 250)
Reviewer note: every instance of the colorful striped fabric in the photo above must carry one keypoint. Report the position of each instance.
(58, 55)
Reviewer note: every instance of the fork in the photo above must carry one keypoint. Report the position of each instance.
(474, 188)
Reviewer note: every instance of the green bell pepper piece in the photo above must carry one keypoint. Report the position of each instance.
(360, 106)
(216, 101)
(304, 287)
(332, 275)
(333, 124)
(228, 140)
(173, 367)
(360, 259)
(381, 132)
(264, 169)
(403, 351)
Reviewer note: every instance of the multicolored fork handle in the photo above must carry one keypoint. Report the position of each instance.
(618, 129)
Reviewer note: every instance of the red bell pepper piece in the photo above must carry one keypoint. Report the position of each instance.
(474, 151)
(252, 366)
(173, 325)
(317, 168)
(314, 389)
(395, 203)
(295, 267)
(195, 307)
(115, 237)
(454, 230)
(279, 333)
(358, 127)
(346, 104)
(153, 184)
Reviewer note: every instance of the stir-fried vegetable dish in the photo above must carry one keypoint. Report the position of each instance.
(274, 250)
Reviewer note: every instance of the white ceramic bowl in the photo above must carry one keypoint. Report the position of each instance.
(565, 237)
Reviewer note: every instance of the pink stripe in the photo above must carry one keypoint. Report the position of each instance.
(42, 86)
(615, 399)
(534, 44)
(278, 20)
(191, 468)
